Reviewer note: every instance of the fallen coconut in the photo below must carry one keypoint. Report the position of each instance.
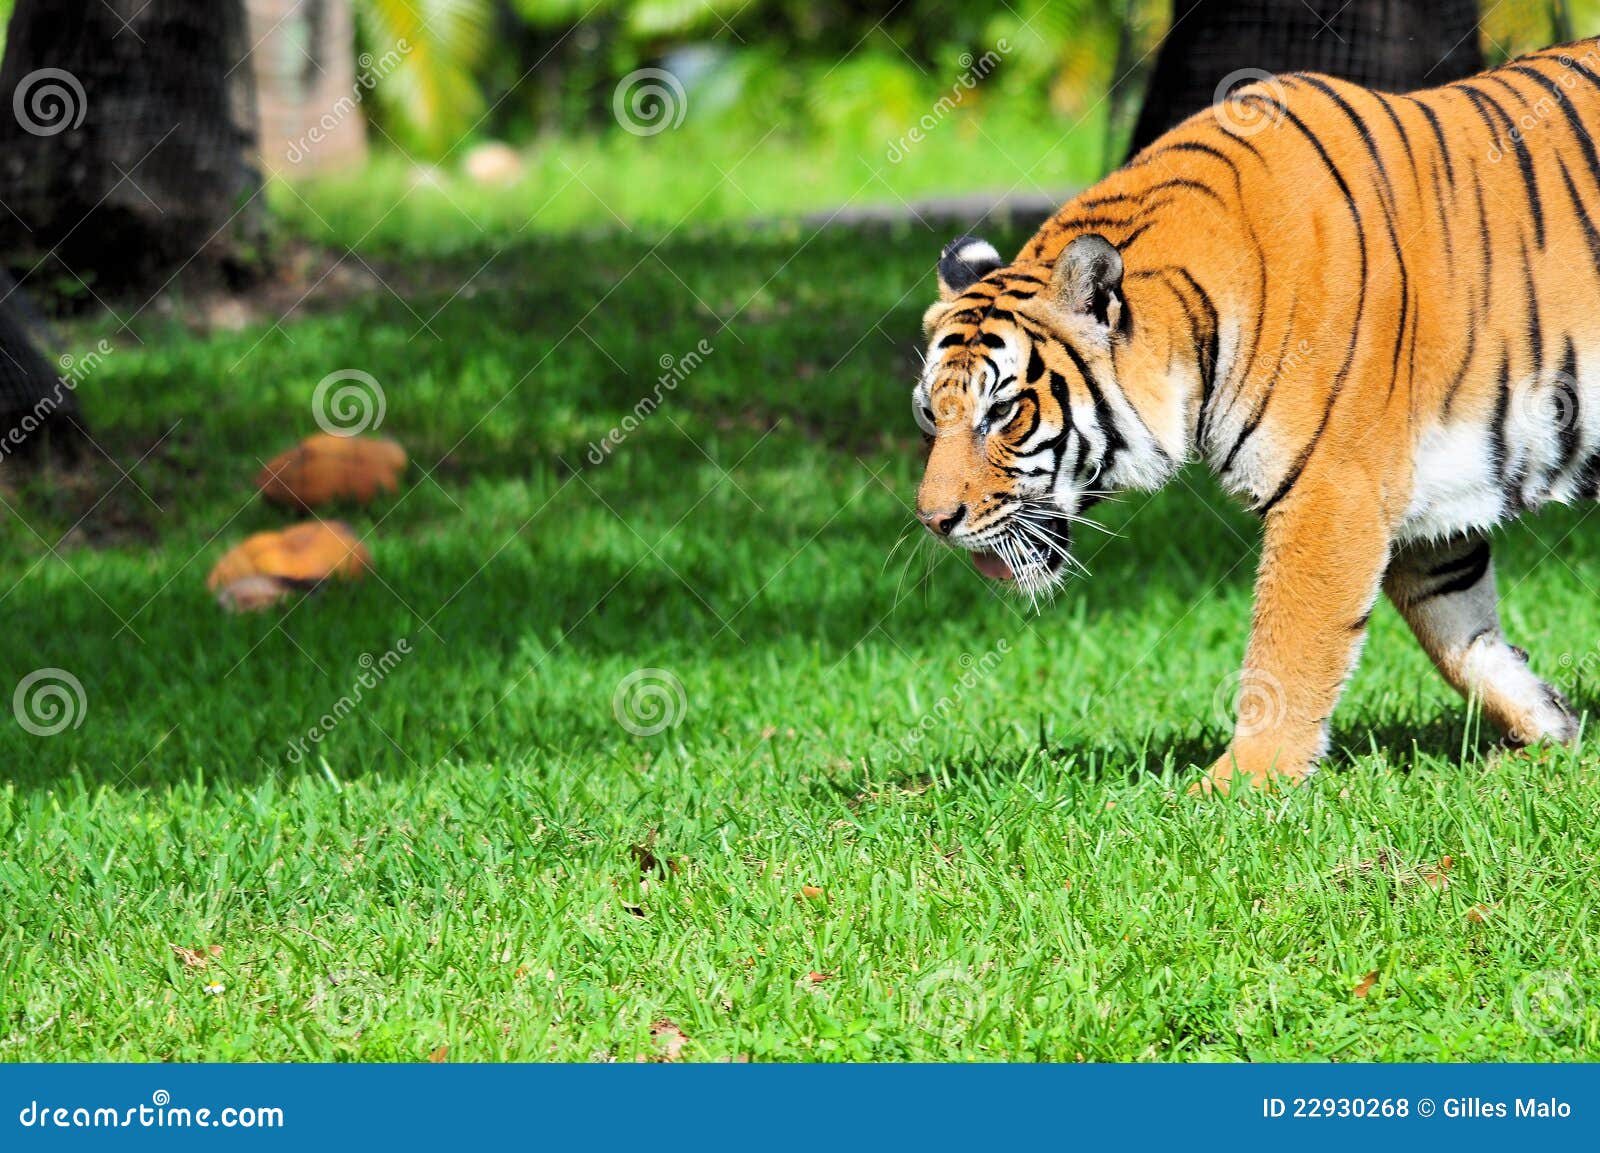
(301, 555)
(322, 469)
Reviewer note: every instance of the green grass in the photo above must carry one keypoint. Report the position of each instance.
(623, 183)
(456, 863)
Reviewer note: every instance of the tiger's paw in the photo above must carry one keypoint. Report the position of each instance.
(1529, 711)
(1546, 718)
(1239, 767)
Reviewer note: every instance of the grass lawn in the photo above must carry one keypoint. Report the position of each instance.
(895, 816)
(617, 183)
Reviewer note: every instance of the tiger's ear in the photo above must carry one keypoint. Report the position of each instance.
(965, 261)
(1088, 280)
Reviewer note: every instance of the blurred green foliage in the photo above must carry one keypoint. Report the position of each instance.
(867, 69)
(435, 94)
(517, 68)
(858, 68)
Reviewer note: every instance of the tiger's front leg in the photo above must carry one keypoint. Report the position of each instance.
(1322, 559)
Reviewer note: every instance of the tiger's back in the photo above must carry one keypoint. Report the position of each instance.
(1415, 269)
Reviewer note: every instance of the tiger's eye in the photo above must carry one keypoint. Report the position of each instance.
(999, 414)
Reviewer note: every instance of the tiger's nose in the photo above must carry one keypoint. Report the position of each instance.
(942, 522)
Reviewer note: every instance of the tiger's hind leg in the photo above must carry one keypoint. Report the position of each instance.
(1446, 594)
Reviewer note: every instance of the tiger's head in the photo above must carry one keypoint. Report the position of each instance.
(1019, 404)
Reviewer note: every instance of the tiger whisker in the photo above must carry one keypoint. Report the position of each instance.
(1044, 519)
(904, 536)
(917, 549)
(1030, 567)
(1044, 513)
(1006, 548)
(1051, 542)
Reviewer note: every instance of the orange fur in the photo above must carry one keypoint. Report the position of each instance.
(1374, 316)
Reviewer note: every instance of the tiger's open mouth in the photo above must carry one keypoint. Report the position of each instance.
(1030, 553)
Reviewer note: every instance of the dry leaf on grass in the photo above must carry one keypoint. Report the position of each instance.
(669, 1039)
(649, 863)
(1364, 986)
(196, 958)
(1437, 876)
(1389, 863)
(323, 468)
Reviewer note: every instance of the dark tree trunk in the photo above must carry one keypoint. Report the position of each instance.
(1391, 45)
(38, 408)
(127, 150)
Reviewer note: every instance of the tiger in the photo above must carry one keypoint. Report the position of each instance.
(1374, 317)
